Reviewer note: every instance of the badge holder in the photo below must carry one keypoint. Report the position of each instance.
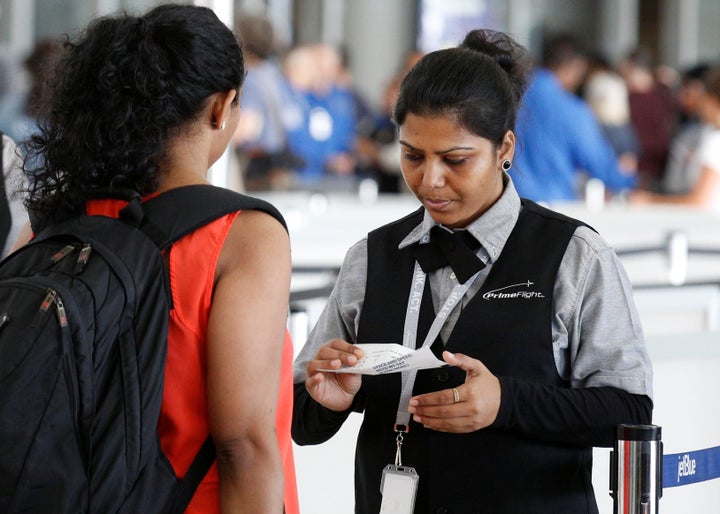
(399, 484)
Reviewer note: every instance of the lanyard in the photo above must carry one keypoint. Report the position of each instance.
(412, 318)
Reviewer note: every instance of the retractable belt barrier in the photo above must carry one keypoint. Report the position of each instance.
(690, 467)
(639, 471)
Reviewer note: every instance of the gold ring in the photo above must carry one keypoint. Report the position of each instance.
(456, 395)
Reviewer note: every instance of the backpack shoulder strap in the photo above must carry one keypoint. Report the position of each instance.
(165, 223)
(190, 482)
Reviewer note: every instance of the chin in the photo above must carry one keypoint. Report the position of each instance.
(448, 221)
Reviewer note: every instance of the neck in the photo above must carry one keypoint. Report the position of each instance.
(181, 172)
(185, 163)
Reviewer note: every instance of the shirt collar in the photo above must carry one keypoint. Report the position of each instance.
(492, 229)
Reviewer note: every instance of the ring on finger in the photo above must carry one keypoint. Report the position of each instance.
(456, 395)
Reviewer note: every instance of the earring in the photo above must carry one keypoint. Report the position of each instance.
(506, 165)
(222, 125)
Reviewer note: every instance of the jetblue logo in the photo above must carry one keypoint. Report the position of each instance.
(523, 291)
(686, 467)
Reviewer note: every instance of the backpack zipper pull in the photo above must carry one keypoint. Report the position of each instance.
(62, 253)
(61, 314)
(83, 258)
(49, 299)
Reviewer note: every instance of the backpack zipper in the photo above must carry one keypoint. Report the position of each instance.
(62, 253)
(83, 258)
(66, 349)
(50, 298)
(60, 310)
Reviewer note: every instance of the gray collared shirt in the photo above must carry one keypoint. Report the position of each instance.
(596, 331)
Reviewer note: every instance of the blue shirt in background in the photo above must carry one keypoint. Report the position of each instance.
(328, 130)
(558, 136)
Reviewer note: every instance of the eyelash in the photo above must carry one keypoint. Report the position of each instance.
(451, 162)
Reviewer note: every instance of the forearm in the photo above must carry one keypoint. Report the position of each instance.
(312, 423)
(251, 477)
(586, 417)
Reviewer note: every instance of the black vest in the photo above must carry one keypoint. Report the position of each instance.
(506, 325)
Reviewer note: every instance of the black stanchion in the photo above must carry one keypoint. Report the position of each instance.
(636, 469)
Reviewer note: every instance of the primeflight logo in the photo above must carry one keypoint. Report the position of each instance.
(522, 290)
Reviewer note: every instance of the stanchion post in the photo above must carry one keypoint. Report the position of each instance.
(636, 469)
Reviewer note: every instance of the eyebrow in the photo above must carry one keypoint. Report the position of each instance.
(441, 152)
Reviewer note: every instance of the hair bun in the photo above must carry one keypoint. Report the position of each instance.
(510, 55)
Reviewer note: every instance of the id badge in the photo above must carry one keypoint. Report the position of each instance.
(398, 487)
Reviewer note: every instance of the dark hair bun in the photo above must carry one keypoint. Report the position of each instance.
(510, 55)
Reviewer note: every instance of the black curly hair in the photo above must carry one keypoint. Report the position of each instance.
(480, 82)
(119, 92)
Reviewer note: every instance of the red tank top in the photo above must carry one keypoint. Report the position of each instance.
(184, 424)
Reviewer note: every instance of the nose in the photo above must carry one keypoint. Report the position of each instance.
(433, 174)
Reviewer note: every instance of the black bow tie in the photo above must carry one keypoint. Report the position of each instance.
(456, 249)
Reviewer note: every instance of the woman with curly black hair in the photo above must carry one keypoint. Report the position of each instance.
(149, 103)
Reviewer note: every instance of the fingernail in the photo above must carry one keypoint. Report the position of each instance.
(413, 403)
(417, 418)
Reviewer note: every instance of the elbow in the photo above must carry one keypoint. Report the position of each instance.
(242, 452)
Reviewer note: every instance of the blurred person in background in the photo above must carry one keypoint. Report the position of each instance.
(379, 148)
(39, 65)
(680, 175)
(653, 114)
(13, 215)
(606, 93)
(705, 161)
(561, 139)
(325, 141)
(365, 116)
(269, 108)
(13, 91)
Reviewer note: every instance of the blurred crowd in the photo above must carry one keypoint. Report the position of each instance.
(304, 125)
(643, 131)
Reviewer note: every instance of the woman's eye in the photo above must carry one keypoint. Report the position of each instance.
(455, 162)
(412, 157)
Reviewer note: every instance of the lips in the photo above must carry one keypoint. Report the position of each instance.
(436, 203)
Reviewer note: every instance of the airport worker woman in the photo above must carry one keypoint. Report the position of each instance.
(534, 318)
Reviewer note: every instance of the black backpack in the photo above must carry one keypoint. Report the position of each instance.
(84, 311)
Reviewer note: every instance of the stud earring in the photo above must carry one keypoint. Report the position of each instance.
(222, 125)
(506, 165)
